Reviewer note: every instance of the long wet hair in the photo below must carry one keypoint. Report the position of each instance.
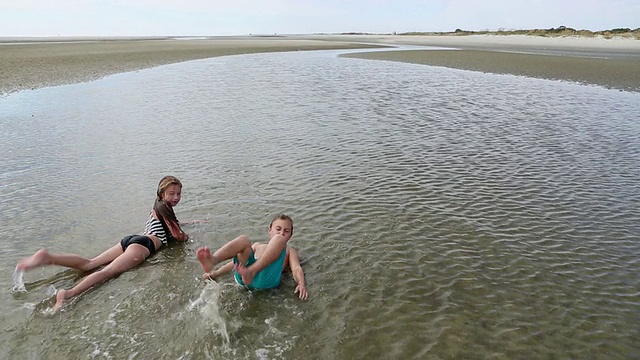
(164, 212)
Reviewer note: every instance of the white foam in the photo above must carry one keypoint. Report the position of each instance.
(48, 311)
(262, 354)
(18, 282)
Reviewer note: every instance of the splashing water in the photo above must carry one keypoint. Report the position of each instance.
(51, 290)
(207, 304)
(18, 282)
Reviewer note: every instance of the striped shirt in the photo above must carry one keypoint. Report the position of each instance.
(154, 227)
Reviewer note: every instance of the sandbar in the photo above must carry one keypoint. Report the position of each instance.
(611, 63)
(35, 63)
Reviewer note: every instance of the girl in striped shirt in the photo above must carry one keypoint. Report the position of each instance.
(132, 250)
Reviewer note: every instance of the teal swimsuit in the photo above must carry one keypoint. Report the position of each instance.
(268, 277)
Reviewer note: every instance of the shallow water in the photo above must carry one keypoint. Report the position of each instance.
(439, 213)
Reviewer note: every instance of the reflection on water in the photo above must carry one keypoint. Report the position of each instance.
(439, 213)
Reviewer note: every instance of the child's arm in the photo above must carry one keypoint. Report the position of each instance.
(224, 269)
(298, 274)
(173, 227)
(193, 222)
(183, 236)
(177, 231)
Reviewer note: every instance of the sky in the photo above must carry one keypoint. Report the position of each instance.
(243, 17)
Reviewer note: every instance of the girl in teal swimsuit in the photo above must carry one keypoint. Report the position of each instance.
(258, 265)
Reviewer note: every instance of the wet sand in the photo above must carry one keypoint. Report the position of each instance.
(612, 63)
(623, 74)
(42, 62)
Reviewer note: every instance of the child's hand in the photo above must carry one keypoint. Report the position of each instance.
(193, 222)
(301, 290)
(182, 236)
(212, 275)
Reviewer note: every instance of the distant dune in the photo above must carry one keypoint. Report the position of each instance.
(552, 32)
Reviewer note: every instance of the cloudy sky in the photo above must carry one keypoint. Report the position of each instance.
(240, 17)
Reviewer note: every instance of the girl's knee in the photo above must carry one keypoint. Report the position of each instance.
(88, 266)
(278, 240)
(244, 240)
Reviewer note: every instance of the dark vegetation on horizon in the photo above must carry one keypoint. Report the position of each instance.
(552, 32)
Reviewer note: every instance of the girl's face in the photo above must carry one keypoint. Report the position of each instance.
(171, 195)
(281, 227)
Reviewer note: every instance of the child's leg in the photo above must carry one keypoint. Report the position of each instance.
(134, 256)
(240, 247)
(42, 257)
(271, 253)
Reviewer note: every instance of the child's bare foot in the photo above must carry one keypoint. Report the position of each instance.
(245, 273)
(61, 296)
(41, 257)
(206, 260)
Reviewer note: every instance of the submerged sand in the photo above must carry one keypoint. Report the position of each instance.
(612, 63)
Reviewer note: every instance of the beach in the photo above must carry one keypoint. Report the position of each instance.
(46, 62)
(612, 63)
(476, 215)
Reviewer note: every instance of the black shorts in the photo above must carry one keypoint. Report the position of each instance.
(140, 240)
